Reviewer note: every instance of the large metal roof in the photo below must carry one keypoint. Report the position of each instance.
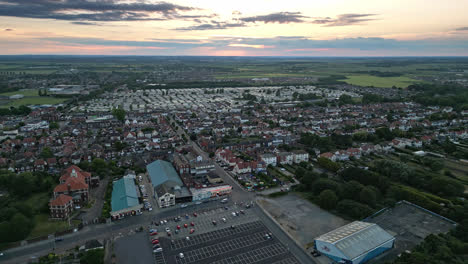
(161, 171)
(124, 194)
(357, 238)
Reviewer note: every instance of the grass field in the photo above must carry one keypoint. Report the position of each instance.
(34, 101)
(37, 200)
(31, 92)
(383, 82)
(45, 227)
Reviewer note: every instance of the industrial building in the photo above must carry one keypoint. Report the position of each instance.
(124, 198)
(354, 243)
(167, 185)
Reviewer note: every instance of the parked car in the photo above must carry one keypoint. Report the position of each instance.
(181, 255)
(185, 225)
(154, 233)
(214, 222)
(168, 229)
(178, 226)
(192, 230)
(224, 219)
(158, 250)
(192, 224)
(195, 214)
(155, 241)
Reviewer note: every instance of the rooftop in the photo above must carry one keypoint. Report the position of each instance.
(357, 238)
(124, 194)
(161, 171)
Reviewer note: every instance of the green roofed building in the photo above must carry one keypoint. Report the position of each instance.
(125, 198)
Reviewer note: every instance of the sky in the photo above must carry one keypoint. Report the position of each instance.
(235, 27)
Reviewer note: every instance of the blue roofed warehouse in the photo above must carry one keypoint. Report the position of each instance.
(354, 243)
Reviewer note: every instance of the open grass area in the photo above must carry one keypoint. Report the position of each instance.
(34, 101)
(30, 92)
(382, 82)
(38, 200)
(45, 227)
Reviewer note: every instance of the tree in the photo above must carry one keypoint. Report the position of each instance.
(119, 114)
(54, 125)
(46, 153)
(345, 99)
(278, 92)
(327, 199)
(95, 256)
(368, 196)
(328, 164)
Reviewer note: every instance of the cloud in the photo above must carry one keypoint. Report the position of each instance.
(462, 29)
(8, 29)
(253, 46)
(88, 10)
(213, 25)
(344, 20)
(275, 46)
(281, 18)
(86, 23)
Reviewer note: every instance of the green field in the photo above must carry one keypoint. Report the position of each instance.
(34, 101)
(382, 82)
(31, 92)
(45, 227)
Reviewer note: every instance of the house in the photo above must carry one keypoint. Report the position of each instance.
(242, 167)
(328, 155)
(61, 207)
(269, 159)
(300, 156)
(285, 158)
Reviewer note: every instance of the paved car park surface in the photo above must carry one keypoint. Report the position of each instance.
(133, 249)
(249, 242)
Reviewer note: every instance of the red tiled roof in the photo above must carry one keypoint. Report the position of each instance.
(81, 174)
(75, 184)
(61, 200)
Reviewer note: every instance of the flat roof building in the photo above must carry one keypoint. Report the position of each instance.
(354, 243)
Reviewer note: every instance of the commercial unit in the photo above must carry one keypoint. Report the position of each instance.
(167, 185)
(124, 198)
(354, 243)
(210, 192)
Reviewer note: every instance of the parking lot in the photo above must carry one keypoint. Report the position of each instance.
(409, 225)
(249, 242)
(224, 216)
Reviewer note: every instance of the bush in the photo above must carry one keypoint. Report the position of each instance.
(327, 199)
(354, 209)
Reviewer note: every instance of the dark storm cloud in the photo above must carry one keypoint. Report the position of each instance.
(462, 29)
(86, 10)
(344, 20)
(8, 29)
(280, 17)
